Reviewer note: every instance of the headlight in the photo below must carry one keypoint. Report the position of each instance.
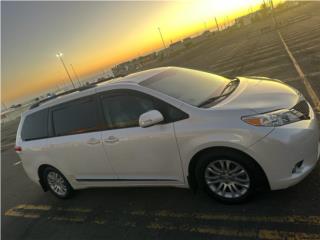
(274, 119)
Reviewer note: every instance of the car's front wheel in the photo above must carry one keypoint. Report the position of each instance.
(227, 177)
(57, 183)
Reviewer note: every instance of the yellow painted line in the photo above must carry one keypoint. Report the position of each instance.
(14, 213)
(99, 221)
(280, 235)
(263, 234)
(296, 219)
(78, 210)
(314, 97)
(18, 211)
(47, 208)
(228, 232)
(314, 220)
(33, 207)
(68, 219)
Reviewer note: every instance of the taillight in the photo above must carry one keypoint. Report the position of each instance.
(17, 149)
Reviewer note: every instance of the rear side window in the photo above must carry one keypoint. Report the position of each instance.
(76, 117)
(35, 126)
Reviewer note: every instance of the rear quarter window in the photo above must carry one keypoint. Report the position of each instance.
(35, 126)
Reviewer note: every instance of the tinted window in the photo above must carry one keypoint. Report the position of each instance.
(76, 117)
(187, 85)
(35, 126)
(173, 114)
(123, 110)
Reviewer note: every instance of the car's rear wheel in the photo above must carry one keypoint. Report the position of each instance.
(57, 183)
(227, 177)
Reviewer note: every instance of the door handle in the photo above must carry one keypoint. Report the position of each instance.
(93, 141)
(111, 139)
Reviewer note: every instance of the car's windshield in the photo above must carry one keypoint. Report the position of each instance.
(190, 86)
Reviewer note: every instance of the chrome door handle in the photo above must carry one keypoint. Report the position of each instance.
(111, 139)
(93, 141)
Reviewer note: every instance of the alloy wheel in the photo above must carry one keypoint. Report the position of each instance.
(227, 179)
(57, 183)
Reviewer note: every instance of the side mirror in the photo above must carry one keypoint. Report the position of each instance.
(150, 118)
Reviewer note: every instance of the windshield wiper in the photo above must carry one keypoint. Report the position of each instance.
(212, 99)
(231, 83)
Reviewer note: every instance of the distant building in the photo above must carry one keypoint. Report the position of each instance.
(104, 79)
(163, 53)
(176, 47)
(133, 65)
(207, 33)
(147, 58)
(187, 42)
(199, 39)
(120, 69)
(252, 17)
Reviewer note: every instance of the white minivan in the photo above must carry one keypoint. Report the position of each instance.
(172, 127)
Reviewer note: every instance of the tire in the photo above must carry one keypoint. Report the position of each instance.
(62, 189)
(229, 177)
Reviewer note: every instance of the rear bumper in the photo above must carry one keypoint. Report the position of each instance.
(284, 147)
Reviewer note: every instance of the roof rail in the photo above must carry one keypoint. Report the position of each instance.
(37, 104)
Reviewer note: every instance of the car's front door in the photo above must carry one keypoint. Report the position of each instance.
(140, 154)
(76, 145)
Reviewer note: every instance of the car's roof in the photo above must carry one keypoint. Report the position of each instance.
(134, 78)
(137, 77)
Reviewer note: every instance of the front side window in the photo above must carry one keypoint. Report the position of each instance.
(76, 117)
(122, 110)
(35, 126)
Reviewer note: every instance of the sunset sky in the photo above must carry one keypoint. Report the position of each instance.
(93, 36)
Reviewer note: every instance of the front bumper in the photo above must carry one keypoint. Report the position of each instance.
(284, 147)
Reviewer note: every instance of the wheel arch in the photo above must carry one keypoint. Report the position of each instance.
(41, 169)
(197, 156)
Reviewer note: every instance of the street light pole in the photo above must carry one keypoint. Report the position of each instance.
(74, 72)
(59, 55)
(4, 106)
(272, 14)
(217, 24)
(162, 37)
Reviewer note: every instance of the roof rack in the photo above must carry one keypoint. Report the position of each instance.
(61, 94)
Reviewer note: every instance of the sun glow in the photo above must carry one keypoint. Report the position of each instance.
(97, 42)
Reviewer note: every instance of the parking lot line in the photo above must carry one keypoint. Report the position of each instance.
(263, 234)
(314, 97)
(67, 219)
(295, 219)
(33, 207)
(13, 213)
(17, 163)
(79, 210)
(23, 209)
(161, 222)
